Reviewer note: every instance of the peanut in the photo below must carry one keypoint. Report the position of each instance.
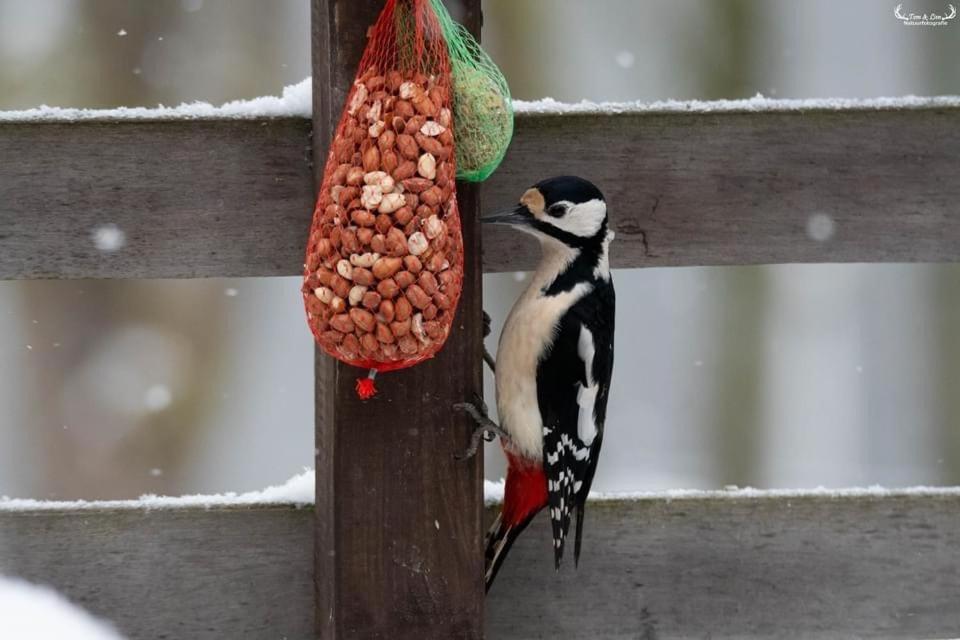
(403, 215)
(356, 295)
(428, 282)
(427, 165)
(404, 279)
(386, 267)
(371, 158)
(363, 319)
(412, 264)
(371, 300)
(384, 334)
(363, 277)
(400, 328)
(342, 323)
(408, 345)
(403, 309)
(388, 288)
(417, 243)
(386, 311)
(417, 296)
(369, 343)
(407, 146)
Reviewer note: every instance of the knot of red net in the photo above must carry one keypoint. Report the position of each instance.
(365, 386)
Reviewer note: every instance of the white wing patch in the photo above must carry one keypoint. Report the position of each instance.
(586, 395)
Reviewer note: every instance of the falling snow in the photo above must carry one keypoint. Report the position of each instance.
(157, 398)
(230, 292)
(820, 227)
(122, 32)
(625, 59)
(109, 238)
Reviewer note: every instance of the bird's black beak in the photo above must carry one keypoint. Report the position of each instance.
(518, 216)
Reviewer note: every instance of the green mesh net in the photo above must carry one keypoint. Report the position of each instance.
(482, 109)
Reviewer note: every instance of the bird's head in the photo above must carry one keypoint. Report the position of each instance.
(564, 209)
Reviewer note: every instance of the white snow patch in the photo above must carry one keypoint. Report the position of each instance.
(493, 491)
(295, 100)
(297, 491)
(549, 106)
(31, 612)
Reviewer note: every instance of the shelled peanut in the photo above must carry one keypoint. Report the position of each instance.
(385, 257)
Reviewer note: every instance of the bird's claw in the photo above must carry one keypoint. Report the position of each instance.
(486, 428)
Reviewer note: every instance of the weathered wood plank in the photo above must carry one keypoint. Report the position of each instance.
(234, 198)
(192, 573)
(398, 531)
(193, 198)
(810, 567)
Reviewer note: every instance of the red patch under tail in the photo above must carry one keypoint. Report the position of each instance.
(526, 490)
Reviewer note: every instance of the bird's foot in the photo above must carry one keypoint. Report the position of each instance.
(486, 428)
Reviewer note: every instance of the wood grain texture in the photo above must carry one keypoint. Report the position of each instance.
(193, 198)
(173, 574)
(399, 521)
(234, 198)
(812, 567)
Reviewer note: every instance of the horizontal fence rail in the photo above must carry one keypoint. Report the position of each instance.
(774, 567)
(234, 197)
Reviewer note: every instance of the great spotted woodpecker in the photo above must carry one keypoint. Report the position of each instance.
(553, 365)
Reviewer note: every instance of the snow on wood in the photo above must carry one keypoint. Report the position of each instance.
(298, 491)
(549, 106)
(296, 101)
(32, 612)
(493, 493)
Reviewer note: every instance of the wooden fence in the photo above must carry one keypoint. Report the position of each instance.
(396, 530)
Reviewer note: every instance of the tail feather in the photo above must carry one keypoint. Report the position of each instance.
(500, 538)
(576, 542)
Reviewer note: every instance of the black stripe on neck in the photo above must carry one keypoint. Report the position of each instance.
(583, 267)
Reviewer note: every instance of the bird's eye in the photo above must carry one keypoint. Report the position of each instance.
(557, 210)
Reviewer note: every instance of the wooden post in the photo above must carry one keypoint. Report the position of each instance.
(398, 547)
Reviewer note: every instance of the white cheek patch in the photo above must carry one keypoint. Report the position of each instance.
(584, 219)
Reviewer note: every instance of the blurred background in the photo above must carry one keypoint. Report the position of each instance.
(782, 376)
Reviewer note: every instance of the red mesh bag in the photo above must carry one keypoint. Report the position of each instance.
(384, 264)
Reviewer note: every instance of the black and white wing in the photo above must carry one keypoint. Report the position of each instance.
(573, 383)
